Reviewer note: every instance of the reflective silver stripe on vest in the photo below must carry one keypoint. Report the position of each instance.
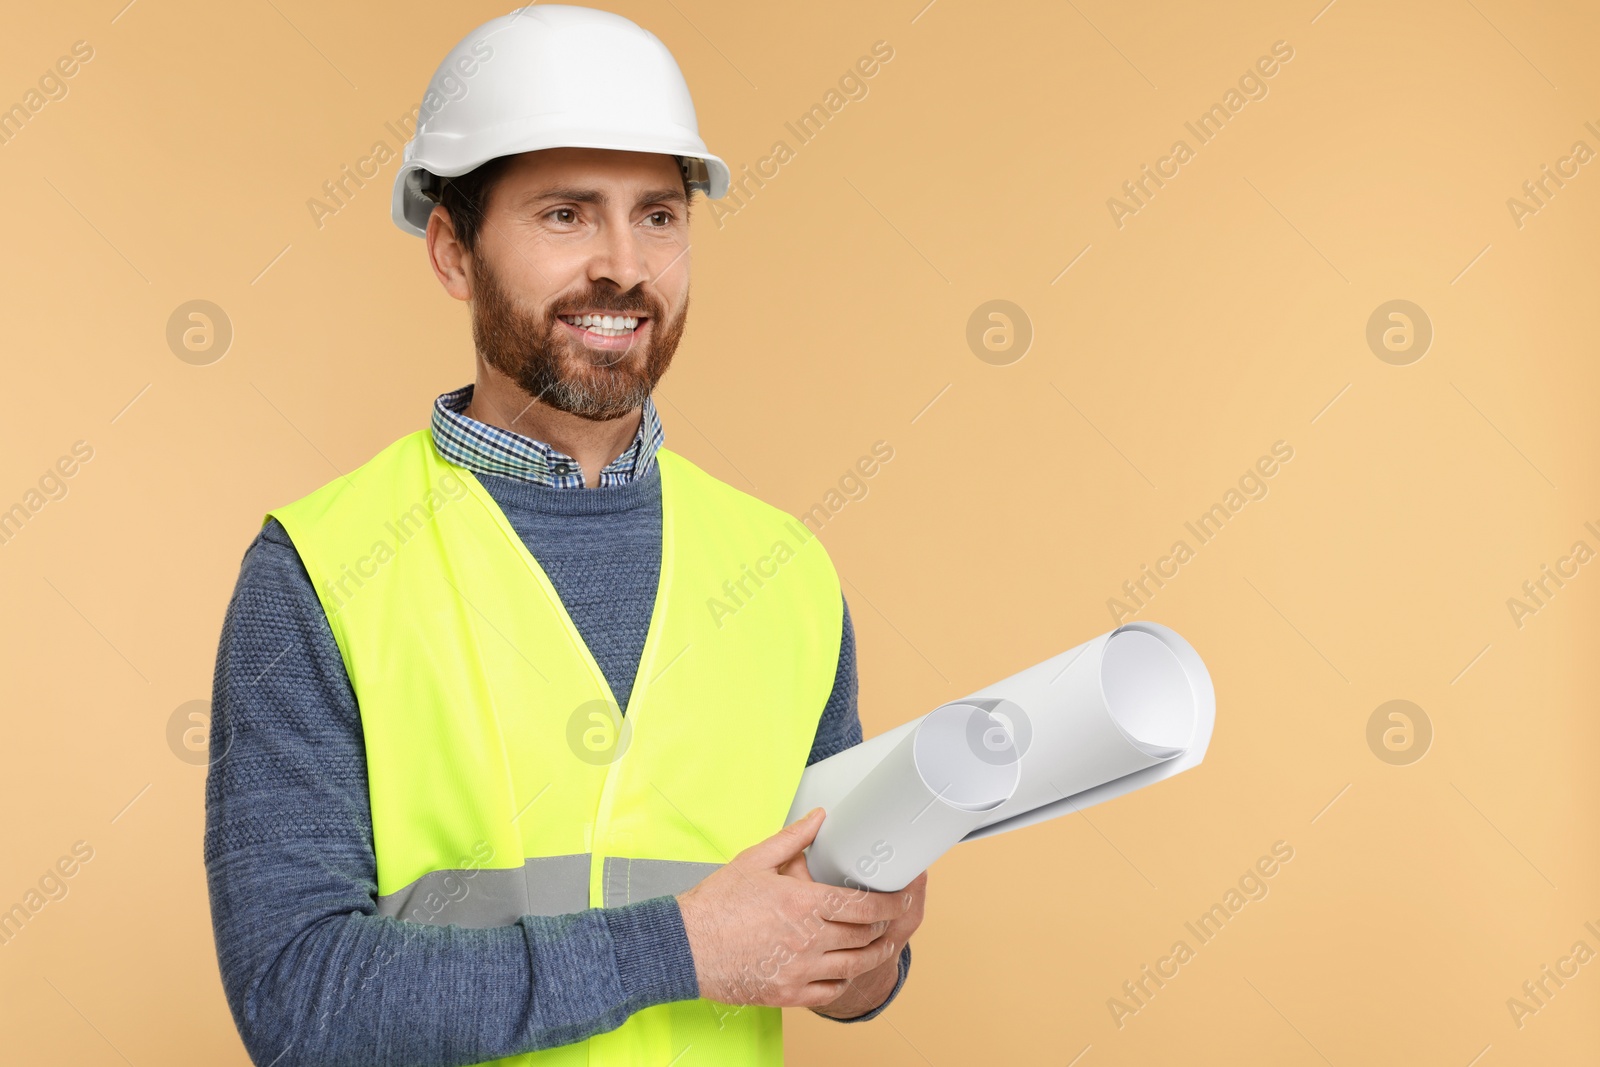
(484, 897)
(626, 881)
(544, 885)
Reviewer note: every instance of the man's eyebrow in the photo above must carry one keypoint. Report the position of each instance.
(595, 196)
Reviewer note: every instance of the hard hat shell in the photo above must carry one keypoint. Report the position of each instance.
(551, 76)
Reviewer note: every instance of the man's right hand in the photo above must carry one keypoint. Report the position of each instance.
(762, 932)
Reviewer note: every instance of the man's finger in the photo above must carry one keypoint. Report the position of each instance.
(869, 907)
(787, 843)
(835, 936)
(851, 962)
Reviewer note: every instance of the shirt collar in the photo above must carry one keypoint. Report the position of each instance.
(485, 449)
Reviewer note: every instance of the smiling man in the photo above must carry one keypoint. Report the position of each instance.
(492, 783)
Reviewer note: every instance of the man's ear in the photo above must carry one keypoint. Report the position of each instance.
(452, 264)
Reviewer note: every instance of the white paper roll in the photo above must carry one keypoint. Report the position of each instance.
(1114, 714)
(931, 789)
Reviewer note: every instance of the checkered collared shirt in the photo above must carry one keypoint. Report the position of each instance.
(482, 448)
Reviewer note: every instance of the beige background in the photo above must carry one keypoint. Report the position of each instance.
(831, 312)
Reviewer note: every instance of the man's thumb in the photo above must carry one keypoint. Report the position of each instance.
(788, 842)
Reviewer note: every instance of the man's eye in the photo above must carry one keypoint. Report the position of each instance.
(664, 215)
(565, 211)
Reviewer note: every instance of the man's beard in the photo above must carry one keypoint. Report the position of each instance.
(542, 357)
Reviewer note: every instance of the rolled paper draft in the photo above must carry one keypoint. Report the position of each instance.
(1117, 713)
(937, 784)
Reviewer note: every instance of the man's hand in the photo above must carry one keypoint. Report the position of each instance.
(863, 994)
(762, 932)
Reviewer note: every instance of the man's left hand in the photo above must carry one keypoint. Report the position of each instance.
(870, 989)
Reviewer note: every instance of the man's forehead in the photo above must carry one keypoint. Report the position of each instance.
(594, 175)
(594, 165)
(601, 195)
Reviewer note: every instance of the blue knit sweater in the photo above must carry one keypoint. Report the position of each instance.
(312, 974)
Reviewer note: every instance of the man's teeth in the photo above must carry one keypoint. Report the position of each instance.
(604, 325)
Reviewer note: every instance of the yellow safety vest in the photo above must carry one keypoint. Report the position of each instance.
(503, 779)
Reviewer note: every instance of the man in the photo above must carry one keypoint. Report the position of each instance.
(495, 778)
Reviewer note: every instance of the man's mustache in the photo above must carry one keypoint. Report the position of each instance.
(638, 306)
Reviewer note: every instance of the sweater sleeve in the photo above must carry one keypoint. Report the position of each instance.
(312, 974)
(839, 729)
(840, 726)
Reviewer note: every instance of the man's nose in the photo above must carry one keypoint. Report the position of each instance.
(619, 257)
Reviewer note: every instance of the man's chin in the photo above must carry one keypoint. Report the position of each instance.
(604, 397)
(606, 413)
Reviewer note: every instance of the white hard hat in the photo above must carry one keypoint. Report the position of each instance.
(551, 76)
